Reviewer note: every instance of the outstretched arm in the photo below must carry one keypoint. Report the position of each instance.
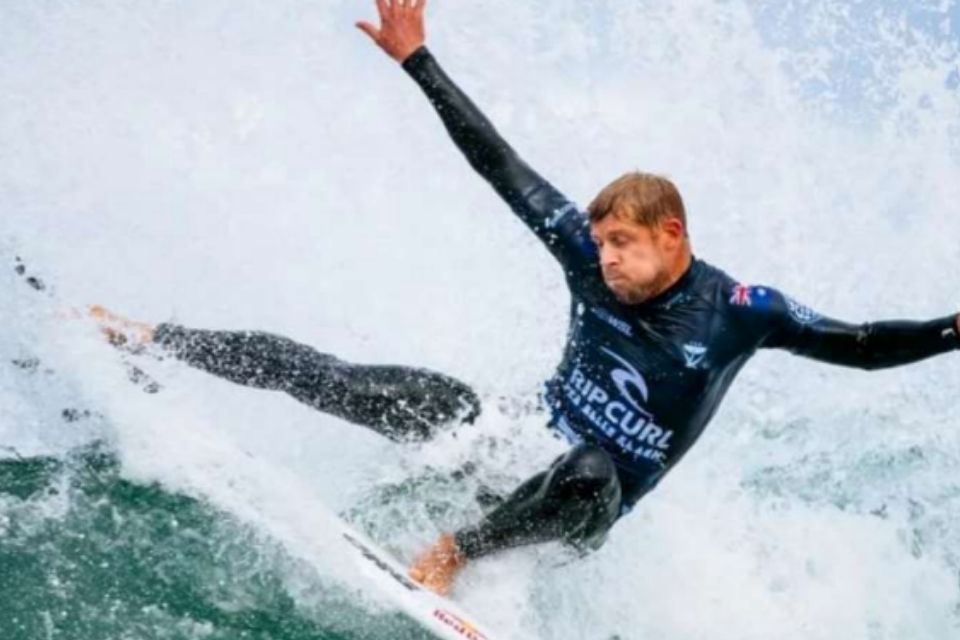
(872, 345)
(556, 220)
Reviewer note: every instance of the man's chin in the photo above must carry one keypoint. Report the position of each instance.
(628, 296)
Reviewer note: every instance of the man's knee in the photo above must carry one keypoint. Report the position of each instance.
(402, 403)
(586, 483)
(586, 468)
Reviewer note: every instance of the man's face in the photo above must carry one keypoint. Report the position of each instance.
(634, 258)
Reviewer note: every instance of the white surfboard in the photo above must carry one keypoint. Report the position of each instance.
(438, 615)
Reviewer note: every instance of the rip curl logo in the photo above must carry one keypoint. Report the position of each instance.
(559, 214)
(801, 313)
(626, 378)
(618, 415)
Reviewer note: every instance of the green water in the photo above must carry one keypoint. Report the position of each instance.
(88, 555)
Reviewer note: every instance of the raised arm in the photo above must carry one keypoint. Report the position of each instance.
(555, 219)
(872, 345)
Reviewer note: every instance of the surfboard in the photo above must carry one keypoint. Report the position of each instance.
(440, 616)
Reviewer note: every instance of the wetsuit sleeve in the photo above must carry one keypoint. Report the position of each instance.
(873, 345)
(556, 221)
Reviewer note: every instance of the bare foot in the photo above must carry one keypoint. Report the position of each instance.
(437, 567)
(120, 331)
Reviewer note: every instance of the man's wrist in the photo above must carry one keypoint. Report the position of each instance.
(417, 54)
(951, 331)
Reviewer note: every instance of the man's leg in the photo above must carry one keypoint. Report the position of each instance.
(401, 403)
(576, 501)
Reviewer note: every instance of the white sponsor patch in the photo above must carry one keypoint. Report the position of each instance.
(802, 313)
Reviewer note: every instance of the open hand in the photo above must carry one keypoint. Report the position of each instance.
(401, 29)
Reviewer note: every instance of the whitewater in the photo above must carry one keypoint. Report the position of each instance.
(260, 165)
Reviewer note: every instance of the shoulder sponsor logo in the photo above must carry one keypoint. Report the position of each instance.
(802, 313)
(559, 214)
(694, 353)
(459, 625)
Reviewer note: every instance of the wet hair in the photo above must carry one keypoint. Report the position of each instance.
(644, 198)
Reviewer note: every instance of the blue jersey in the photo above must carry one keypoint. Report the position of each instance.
(643, 380)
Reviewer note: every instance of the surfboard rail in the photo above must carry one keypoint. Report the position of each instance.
(440, 616)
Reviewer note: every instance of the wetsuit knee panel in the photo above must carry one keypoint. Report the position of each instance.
(587, 463)
(586, 473)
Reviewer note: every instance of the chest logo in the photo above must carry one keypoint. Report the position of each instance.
(617, 323)
(694, 354)
(618, 416)
(628, 380)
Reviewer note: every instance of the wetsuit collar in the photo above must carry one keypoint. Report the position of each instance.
(674, 292)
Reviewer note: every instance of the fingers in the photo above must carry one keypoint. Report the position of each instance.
(370, 30)
(405, 6)
(393, 8)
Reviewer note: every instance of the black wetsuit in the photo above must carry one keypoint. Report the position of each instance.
(637, 384)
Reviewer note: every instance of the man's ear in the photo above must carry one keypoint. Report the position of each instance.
(673, 229)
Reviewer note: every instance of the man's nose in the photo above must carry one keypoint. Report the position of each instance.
(609, 257)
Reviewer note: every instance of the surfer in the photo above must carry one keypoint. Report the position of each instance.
(656, 337)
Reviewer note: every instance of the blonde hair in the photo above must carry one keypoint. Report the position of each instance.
(643, 197)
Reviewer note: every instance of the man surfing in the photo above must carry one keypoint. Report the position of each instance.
(656, 338)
